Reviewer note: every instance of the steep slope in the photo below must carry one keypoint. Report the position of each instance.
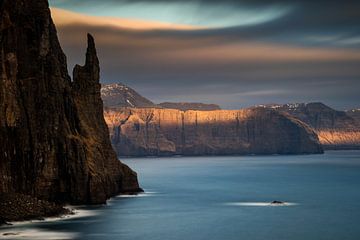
(354, 113)
(54, 142)
(144, 132)
(184, 106)
(336, 129)
(120, 95)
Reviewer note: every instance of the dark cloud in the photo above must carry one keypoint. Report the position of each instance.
(199, 68)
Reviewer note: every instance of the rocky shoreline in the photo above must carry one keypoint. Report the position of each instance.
(16, 207)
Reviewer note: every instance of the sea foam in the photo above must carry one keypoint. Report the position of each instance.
(36, 234)
(144, 194)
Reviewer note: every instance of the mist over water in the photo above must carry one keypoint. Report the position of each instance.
(224, 198)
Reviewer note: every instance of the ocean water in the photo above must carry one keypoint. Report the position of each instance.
(223, 198)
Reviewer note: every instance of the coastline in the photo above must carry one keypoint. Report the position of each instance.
(64, 213)
(74, 212)
(30, 229)
(225, 155)
(15, 207)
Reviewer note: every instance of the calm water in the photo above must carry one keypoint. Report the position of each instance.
(225, 198)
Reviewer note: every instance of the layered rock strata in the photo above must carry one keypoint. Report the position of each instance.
(156, 132)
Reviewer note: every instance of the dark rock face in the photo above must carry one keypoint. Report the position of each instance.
(320, 116)
(336, 129)
(184, 106)
(54, 142)
(154, 132)
(120, 95)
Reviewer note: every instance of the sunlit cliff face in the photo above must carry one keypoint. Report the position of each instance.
(232, 53)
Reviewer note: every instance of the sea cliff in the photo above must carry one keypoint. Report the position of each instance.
(157, 132)
(336, 129)
(54, 143)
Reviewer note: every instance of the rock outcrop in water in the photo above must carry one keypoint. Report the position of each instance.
(336, 129)
(156, 132)
(54, 142)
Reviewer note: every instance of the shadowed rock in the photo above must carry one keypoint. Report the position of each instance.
(54, 143)
(336, 129)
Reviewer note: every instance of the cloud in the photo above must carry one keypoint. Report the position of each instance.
(310, 23)
(234, 67)
(67, 18)
(198, 13)
(320, 13)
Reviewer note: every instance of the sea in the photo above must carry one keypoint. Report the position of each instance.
(222, 198)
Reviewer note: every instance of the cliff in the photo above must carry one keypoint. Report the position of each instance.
(336, 129)
(184, 106)
(154, 132)
(54, 143)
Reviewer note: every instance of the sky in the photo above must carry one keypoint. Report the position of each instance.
(235, 53)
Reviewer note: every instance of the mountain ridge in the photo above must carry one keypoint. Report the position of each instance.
(119, 95)
(185, 106)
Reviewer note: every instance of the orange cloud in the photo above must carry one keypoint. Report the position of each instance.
(259, 52)
(63, 17)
